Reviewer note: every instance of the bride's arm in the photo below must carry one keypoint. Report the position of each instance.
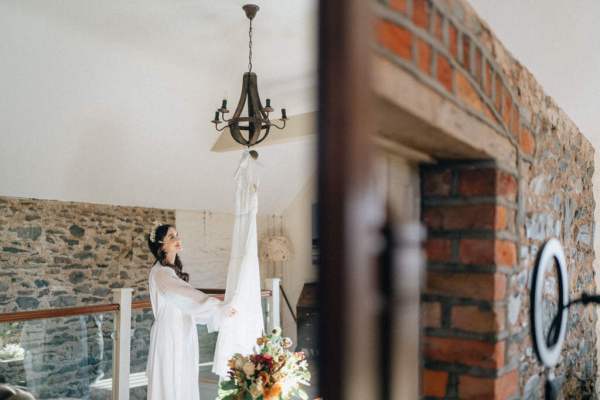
(203, 308)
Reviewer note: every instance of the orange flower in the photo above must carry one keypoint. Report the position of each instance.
(273, 392)
(264, 376)
(261, 340)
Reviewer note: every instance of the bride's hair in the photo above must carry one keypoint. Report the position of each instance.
(160, 255)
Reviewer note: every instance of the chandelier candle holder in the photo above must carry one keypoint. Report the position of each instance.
(256, 125)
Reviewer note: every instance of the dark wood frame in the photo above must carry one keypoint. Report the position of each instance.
(347, 231)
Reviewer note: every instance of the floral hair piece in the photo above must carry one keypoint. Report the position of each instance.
(153, 231)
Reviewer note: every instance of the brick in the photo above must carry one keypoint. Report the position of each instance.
(398, 5)
(424, 52)
(466, 52)
(476, 216)
(487, 182)
(478, 286)
(476, 251)
(431, 315)
(434, 383)
(444, 72)
(468, 95)
(477, 182)
(505, 253)
(475, 319)
(487, 251)
(395, 38)
(506, 185)
(437, 183)
(421, 12)
(515, 121)
(478, 60)
(475, 353)
(501, 219)
(498, 92)
(453, 40)
(502, 388)
(438, 250)
(487, 84)
(438, 27)
(507, 108)
(527, 142)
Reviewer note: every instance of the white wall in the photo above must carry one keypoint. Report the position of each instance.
(558, 42)
(206, 237)
(297, 271)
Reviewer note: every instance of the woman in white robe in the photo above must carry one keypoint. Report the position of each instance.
(173, 357)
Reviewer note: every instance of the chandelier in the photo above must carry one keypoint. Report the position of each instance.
(256, 125)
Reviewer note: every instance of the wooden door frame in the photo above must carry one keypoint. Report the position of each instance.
(348, 318)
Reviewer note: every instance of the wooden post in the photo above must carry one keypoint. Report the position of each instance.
(274, 312)
(349, 212)
(122, 344)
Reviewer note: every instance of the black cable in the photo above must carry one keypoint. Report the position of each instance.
(585, 299)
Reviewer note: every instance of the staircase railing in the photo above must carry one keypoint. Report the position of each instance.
(123, 307)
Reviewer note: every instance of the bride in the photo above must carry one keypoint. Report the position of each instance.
(173, 358)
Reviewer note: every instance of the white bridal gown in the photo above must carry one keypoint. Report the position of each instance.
(239, 334)
(173, 358)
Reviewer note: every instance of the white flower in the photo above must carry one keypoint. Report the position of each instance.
(155, 225)
(256, 389)
(239, 363)
(248, 369)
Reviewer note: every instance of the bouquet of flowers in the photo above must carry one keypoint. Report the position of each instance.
(272, 373)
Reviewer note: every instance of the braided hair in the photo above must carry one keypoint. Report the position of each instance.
(160, 255)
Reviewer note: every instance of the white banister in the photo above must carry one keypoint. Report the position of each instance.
(121, 344)
(273, 310)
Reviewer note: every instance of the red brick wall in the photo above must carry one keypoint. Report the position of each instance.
(469, 210)
(485, 221)
(423, 36)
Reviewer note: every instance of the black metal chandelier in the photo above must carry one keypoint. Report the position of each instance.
(256, 124)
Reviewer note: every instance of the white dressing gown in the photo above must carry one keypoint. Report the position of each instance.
(173, 357)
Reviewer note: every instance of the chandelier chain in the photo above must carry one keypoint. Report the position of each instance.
(250, 48)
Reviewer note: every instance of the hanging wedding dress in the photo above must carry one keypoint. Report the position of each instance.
(239, 334)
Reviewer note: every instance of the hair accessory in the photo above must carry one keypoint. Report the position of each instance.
(152, 235)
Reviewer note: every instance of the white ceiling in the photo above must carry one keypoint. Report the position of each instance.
(559, 42)
(110, 101)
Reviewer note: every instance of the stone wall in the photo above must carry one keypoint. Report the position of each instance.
(556, 200)
(61, 254)
(488, 219)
